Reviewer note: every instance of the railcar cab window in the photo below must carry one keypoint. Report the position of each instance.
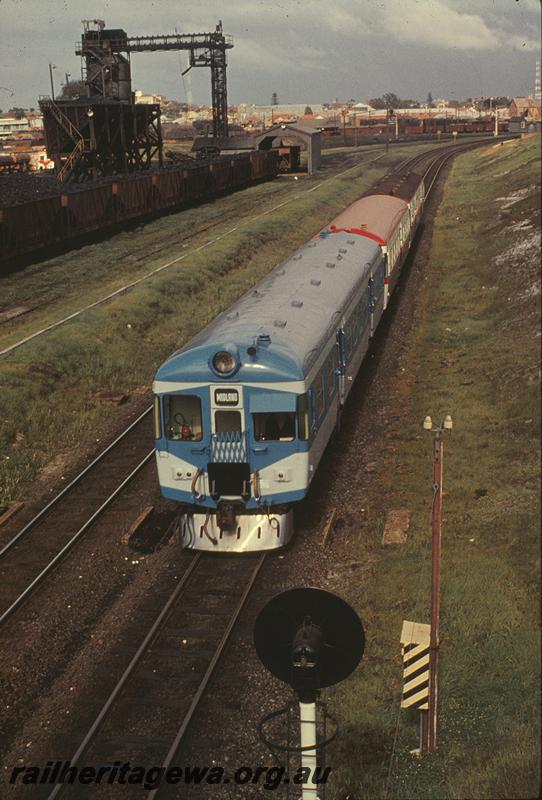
(274, 426)
(227, 422)
(182, 415)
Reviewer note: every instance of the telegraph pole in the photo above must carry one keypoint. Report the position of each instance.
(429, 724)
(51, 68)
(387, 128)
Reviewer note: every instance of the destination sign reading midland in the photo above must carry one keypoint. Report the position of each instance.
(226, 397)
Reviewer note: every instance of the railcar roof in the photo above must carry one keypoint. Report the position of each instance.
(403, 186)
(377, 214)
(296, 305)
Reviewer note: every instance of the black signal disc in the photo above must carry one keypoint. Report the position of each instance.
(342, 633)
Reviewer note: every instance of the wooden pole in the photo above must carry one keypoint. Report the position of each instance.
(435, 592)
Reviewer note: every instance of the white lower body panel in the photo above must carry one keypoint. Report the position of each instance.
(252, 532)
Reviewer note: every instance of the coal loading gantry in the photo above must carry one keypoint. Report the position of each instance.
(105, 132)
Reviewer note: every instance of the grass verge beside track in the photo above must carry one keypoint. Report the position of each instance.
(55, 288)
(48, 404)
(474, 354)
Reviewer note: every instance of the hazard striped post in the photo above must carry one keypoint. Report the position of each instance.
(415, 644)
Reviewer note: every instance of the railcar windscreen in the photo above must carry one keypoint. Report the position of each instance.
(274, 427)
(228, 422)
(182, 414)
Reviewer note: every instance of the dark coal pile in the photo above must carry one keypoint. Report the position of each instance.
(22, 187)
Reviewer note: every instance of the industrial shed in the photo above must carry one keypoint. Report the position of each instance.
(268, 140)
(297, 130)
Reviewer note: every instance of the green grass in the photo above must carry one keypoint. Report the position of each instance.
(474, 354)
(48, 386)
(56, 287)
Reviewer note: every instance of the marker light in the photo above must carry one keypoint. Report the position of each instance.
(223, 362)
(427, 423)
(448, 424)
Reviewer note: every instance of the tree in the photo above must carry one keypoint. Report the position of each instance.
(274, 99)
(308, 110)
(388, 100)
(73, 89)
(429, 100)
(391, 100)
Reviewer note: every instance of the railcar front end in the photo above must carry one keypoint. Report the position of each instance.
(232, 449)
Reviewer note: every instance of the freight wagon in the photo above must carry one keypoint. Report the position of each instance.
(32, 226)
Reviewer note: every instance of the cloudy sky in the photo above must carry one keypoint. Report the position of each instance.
(305, 50)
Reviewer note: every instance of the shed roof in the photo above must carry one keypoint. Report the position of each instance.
(299, 128)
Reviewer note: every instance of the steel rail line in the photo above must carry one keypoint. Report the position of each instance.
(30, 524)
(127, 287)
(444, 155)
(92, 734)
(209, 672)
(70, 543)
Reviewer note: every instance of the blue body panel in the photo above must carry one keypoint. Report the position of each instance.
(302, 324)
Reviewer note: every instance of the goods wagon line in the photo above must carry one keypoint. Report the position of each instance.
(32, 226)
(168, 264)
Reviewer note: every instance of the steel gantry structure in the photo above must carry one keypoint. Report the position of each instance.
(104, 132)
(106, 53)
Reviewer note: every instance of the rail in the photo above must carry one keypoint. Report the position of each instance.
(189, 581)
(50, 546)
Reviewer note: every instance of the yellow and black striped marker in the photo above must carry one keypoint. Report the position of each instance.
(415, 639)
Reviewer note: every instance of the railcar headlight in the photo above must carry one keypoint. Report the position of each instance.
(223, 362)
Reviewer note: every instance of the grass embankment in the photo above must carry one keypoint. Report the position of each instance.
(48, 405)
(59, 286)
(474, 353)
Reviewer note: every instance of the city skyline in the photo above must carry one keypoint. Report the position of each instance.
(300, 50)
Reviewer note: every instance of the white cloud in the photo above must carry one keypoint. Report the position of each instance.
(434, 23)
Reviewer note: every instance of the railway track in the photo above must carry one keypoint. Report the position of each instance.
(39, 546)
(146, 716)
(352, 162)
(438, 158)
(124, 725)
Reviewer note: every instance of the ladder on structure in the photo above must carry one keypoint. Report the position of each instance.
(72, 158)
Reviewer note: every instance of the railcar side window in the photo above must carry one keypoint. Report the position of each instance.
(274, 426)
(318, 396)
(303, 417)
(182, 414)
(157, 420)
(227, 422)
(330, 374)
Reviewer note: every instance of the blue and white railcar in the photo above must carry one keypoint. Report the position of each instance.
(244, 411)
